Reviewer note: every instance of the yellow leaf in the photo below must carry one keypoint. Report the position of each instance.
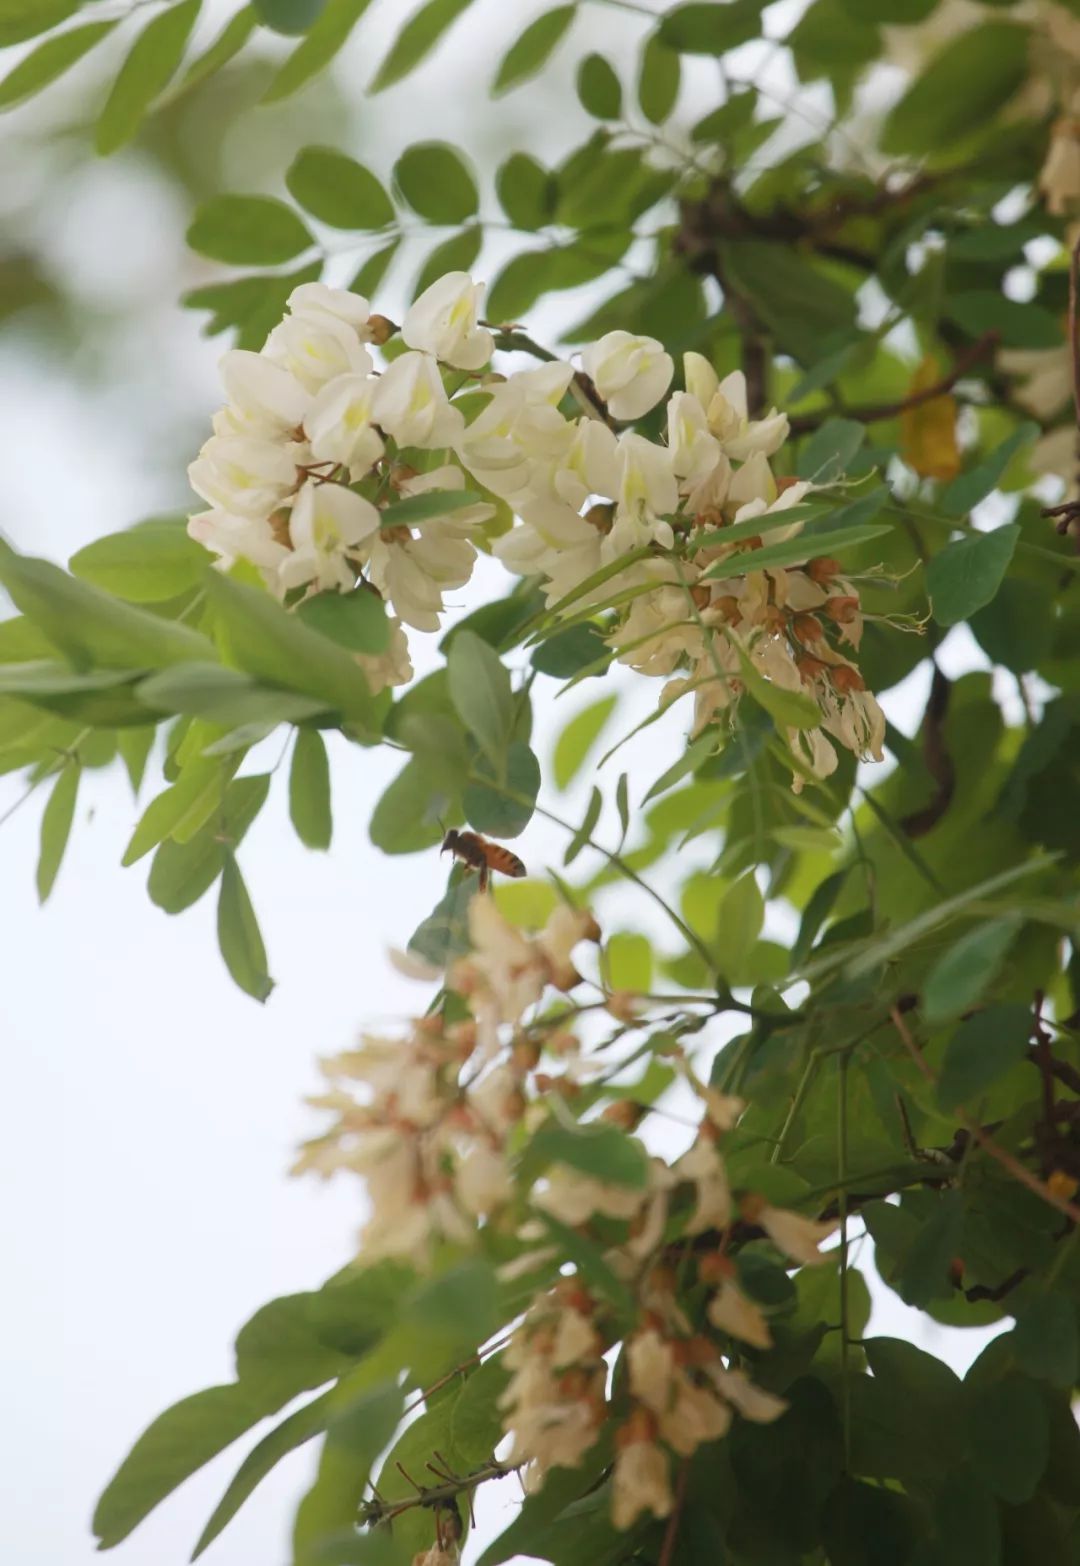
(928, 430)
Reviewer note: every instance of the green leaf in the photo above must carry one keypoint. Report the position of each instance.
(56, 822)
(355, 620)
(248, 231)
(406, 818)
(89, 626)
(476, 1425)
(309, 790)
(805, 308)
(794, 551)
(622, 803)
(326, 37)
(224, 697)
(49, 61)
(1007, 1435)
(289, 16)
(815, 913)
(148, 70)
(481, 694)
(711, 29)
(444, 934)
(965, 86)
(629, 960)
(827, 453)
(578, 738)
(182, 872)
(435, 180)
(1017, 324)
(689, 761)
(598, 1150)
(658, 79)
(526, 191)
(787, 709)
(1044, 1340)
(456, 254)
(965, 575)
(924, 1271)
(22, 19)
(741, 916)
(862, 1522)
(261, 1460)
(416, 40)
(585, 830)
(274, 645)
(252, 305)
(181, 809)
(504, 805)
(966, 1519)
(960, 978)
(374, 269)
(337, 190)
(969, 488)
(598, 88)
(225, 47)
(148, 564)
(99, 700)
(238, 934)
(530, 52)
(569, 652)
(982, 1049)
(428, 507)
(1016, 628)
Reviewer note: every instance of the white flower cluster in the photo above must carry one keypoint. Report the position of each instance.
(433, 1123)
(306, 454)
(314, 442)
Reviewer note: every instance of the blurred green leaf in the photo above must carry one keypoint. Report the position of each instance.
(526, 191)
(965, 84)
(56, 822)
(337, 190)
(659, 76)
(437, 183)
(23, 19)
(481, 693)
(49, 60)
(238, 934)
(982, 1049)
(598, 88)
(248, 231)
(960, 978)
(456, 254)
(355, 620)
(1007, 1435)
(289, 16)
(712, 29)
(577, 739)
(336, 22)
(416, 40)
(309, 790)
(150, 563)
(531, 51)
(504, 805)
(1044, 1340)
(149, 68)
(965, 575)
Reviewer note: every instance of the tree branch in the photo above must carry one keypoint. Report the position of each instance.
(871, 413)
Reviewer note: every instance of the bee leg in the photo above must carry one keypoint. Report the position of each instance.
(485, 877)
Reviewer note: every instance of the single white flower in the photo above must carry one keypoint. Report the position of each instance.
(753, 1402)
(791, 1233)
(316, 348)
(513, 442)
(412, 406)
(339, 303)
(265, 398)
(234, 538)
(443, 322)
(729, 421)
(704, 1167)
(339, 424)
(327, 521)
(243, 475)
(732, 1312)
(641, 1483)
(630, 373)
(482, 1180)
(392, 667)
(695, 451)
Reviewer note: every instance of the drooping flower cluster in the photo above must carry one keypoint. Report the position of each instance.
(315, 443)
(440, 1125)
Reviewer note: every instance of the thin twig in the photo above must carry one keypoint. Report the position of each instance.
(871, 413)
(671, 1532)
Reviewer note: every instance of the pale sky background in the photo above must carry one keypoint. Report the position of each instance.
(151, 1108)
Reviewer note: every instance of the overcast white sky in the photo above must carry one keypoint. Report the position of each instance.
(151, 1108)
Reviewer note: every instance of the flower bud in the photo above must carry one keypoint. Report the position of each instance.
(842, 609)
(846, 680)
(807, 627)
(822, 569)
(381, 329)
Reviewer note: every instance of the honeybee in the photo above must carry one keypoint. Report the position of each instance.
(479, 854)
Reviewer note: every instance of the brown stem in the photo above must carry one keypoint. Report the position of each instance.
(939, 763)
(671, 1532)
(870, 413)
(379, 1511)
